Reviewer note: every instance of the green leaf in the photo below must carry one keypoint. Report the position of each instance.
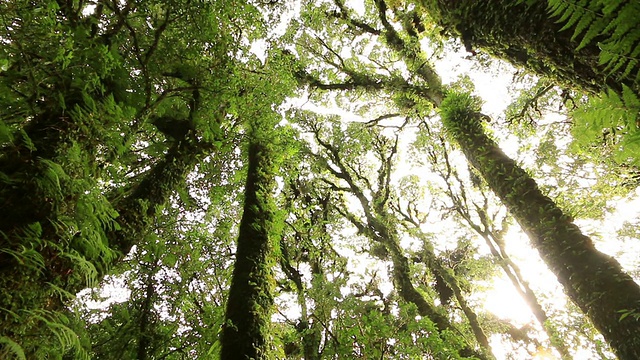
(13, 347)
(170, 259)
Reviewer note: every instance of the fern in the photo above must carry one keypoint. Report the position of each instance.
(83, 267)
(53, 175)
(632, 105)
(618, 115)
(571, 14)
(11, 347)
(612, 118)
(6, 135)
(58, 326)
(610, 7)
(580, 16)
(28, 257)
(53, 324)
(593, 29)
(617, 21)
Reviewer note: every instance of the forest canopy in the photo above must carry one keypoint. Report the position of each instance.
(388, 179)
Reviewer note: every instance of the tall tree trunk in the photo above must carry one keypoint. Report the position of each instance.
(376, 229)
(523, 33)
(449, 278)
(250, 300)
(145, 322)
(594, 281)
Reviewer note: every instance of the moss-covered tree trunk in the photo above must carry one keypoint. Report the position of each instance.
(404, 286)
(62, 130)
(594, 281)
(250, 300)
(524, 34)
(377, 229)
(145, 322)
(137, 211)
(31, 289)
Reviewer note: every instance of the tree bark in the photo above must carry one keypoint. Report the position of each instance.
(449, 278)
(248, 312)
(402, 282)
(523, 33)
(594, 281)
(137, 210)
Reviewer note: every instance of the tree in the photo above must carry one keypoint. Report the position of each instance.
(248, 313)
(249, 305)
(84, 169)
(482, 215)
(588, 45)
(378, 223)
(593, 280)
(568, 41)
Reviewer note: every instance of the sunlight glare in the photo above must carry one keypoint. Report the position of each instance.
(544, 354)
(503, 301)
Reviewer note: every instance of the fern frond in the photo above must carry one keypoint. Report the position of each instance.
(6, 134)
(631, 66)
(33, 231)
(618, 20)
(610, 6)
(83, 267)
(57, 324)
(560, 8)
(626, 20)
(582, 21)
(618, 112)
(630, 99)
(62, 294)
(596, 28)
(579, 15)
(12, 347)
(52, 173)
(615, 64)
(631, 44)
(28, 257)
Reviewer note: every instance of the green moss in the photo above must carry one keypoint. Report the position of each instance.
(524, 34)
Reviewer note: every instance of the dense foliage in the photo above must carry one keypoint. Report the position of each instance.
(267, 180)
